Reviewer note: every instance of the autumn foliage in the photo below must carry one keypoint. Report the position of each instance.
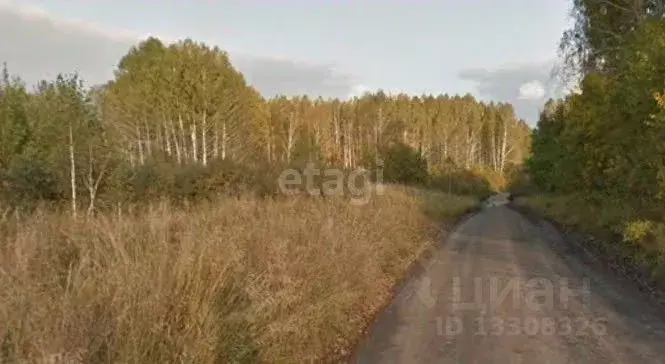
(600, 152)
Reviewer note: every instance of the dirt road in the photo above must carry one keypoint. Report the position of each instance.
(504, 290)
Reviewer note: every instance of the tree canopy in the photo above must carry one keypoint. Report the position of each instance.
(607, 140)
(184, 105)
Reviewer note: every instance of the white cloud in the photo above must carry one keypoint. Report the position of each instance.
(38, 45)
(34, 13)
(532, 90)
(524, 85)
(358, 90)
(278, 75)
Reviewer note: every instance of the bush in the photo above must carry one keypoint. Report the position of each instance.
(27, 182)
(518, 182)
(404, 165)
(460, 182)
(176, 182)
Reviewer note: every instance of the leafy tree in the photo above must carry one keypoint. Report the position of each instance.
(606, 142)
(404, 164)
(179, 120)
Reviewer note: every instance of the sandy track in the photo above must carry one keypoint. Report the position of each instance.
(504, 290)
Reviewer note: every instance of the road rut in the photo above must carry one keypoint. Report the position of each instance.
(501, 289)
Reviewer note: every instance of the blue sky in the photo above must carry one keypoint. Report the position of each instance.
(499, 50)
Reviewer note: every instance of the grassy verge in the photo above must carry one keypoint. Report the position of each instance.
(235, 280)
(628, 242)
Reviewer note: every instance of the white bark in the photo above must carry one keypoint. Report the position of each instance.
(176, 143)
(224, 140)
(92, 183)
(336, 132)
(204, 144)
(504, 146)
(378, 131)
(194, 140)
(72, 170)
(148, 140)
(182, 136)
(470, 146)
(139, 145)
(167, 140)
(291, 136)
(215, 145)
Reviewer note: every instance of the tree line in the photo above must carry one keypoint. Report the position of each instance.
(606, 142)
(178, 119)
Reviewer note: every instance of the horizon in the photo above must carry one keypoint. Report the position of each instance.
(76, 37)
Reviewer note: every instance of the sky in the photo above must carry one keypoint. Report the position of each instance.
(496, 50)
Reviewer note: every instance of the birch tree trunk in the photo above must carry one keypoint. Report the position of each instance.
(92, 182)
(290, 137)
(167, 140)
(148, 139)
(139, 145)
(204, 144)
(337, 139)
(176, 143)
(469, 145)
(224, 140)
(215, 143)
(183, 140)
(504, 146)
(72, 169)
(194, 144)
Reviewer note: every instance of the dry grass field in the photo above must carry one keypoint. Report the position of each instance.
(238, 280)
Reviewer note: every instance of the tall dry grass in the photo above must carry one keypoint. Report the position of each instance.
(242, 280)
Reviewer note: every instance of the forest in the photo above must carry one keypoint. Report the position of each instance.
(179, 120)
(598, 154)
